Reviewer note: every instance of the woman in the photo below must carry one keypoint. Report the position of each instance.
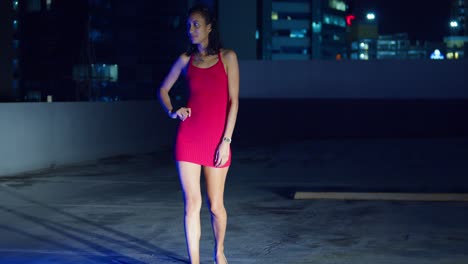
(206, 127)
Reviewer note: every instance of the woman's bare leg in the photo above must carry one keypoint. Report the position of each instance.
(189, 174)
(215, 180)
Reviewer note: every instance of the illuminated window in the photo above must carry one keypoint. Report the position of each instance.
(337, 4)
(364, 46)
(316, 27)
(453, 24)
(450, 55)
(100, 72)
(334, 20)
(274, 15)
(15, 24)
(370, 16)
(295, 33)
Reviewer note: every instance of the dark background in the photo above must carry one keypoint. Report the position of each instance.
(423, 20)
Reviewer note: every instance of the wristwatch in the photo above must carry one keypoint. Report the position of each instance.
(227, 140)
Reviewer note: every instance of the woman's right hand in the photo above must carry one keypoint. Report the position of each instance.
(181, 113)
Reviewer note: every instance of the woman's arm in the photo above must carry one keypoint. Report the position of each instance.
(233, 85)
(232, 69)
(169, 81)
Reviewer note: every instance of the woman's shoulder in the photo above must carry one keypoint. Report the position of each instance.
(183, 60)
(185, 57)
(228, 54)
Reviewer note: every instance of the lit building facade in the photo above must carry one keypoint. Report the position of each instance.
(363, 35)
(367, 44)
(302, 29)
(457, 42)
(394, 46)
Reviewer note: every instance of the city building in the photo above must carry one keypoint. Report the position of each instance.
(458, 21)
(97, 50)
(457, 42)
(393, 46)
(367, 44)
(302, 30)
(362, 37)
(110, 50)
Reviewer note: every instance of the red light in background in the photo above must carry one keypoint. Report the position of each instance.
(349, 19)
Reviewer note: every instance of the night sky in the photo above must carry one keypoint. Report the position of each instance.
(421, 19)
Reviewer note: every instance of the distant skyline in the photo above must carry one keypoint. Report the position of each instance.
(422, 20)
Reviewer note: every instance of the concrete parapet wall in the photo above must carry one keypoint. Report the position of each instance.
(379, 79)
(279, 101)
(40, 135)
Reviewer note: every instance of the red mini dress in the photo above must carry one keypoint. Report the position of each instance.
(199, 136)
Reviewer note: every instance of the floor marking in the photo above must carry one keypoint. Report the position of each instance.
(429, 197)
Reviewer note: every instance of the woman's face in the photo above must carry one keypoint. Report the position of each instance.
(197, 29)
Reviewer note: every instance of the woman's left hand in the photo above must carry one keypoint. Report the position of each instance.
(222, 154)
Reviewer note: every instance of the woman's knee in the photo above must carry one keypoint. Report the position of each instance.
(193, 205)
(217, 209)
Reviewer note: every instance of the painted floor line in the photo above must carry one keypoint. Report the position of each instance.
(427, 197)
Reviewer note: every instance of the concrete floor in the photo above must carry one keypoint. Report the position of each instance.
(128, 209)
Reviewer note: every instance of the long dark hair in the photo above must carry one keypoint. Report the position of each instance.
(214, 41)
